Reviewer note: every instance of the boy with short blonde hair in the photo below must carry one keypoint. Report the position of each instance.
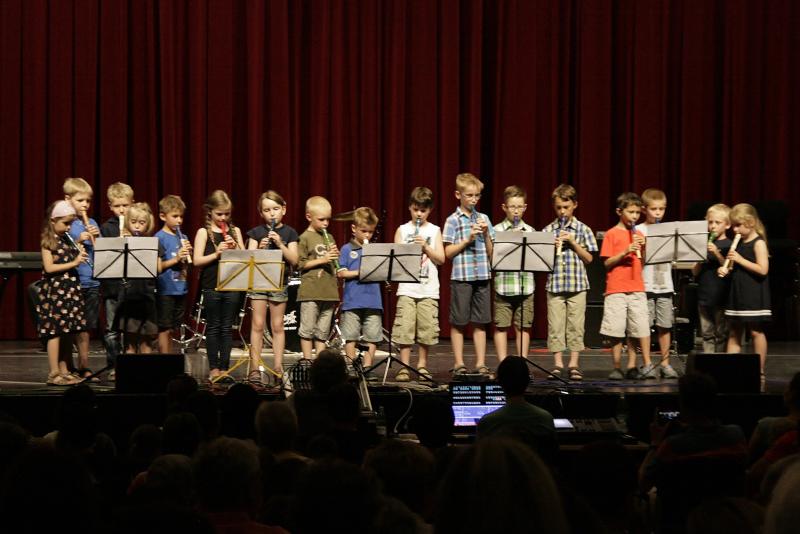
(319, 290)
(625, 303)
(468, 239)
(362, 307)
(120, 198)
(658, 283)
(171, 284)
(568, 284)
(712, 291)
(84, 230)
(513, 291)
(417, 315)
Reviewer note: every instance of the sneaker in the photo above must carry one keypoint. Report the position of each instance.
(632, 374)
(668, 372)
(648, 372)
(616, 374)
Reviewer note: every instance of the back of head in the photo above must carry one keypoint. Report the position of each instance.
(406, 470)
(628, 199)
(239, 405)
(697, 393)
(182, 434)
(276, 426)
(227, 472)
(328, 370)
(792, 394)
(499, 485)
(205, 407)
(729, 515)
(513, 375)
(433, 422)
(783, 511)
(179, 389)
(333, 495)
(344, 404)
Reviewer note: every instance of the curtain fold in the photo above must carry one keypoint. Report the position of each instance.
(362, 100)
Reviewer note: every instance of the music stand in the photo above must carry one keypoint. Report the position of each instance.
(676, 242)
(256, 270)
(124, 259)
(525, 252)
(391, 262)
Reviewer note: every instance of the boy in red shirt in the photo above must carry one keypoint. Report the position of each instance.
(625, 304)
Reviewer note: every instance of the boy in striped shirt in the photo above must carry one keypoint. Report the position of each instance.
(568, 284)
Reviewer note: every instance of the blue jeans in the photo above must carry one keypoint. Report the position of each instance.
(220, 309)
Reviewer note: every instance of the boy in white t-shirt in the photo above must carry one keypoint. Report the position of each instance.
(417, 315)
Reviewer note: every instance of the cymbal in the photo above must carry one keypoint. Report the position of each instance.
(345, 216)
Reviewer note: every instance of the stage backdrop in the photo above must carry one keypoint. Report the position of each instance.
(360, 101)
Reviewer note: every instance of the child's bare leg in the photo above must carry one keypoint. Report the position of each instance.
(257, 321)
(457, 341)
(276, 313)
(479, 339)
(501, 342)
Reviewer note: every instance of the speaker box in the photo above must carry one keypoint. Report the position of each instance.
(734, 373)
(147, 373)
(594, 317)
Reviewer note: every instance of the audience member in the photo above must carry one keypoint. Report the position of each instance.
(519, 419)
(769, 429)
(239, 405)
(783, 511)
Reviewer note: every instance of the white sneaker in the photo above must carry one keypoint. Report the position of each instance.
(667, 371)
(648, 372)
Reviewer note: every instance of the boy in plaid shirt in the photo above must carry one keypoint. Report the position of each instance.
(513, 299)
(467, 238)
(568, 284)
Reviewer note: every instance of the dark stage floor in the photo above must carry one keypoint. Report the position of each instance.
(23, 368)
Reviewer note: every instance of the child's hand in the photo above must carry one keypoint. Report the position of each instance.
(83, 256)
(633, 247)
(639, 240)
(419, 240)
(333, 253)
(734, 256)
(722, 272)
(566, 237)
(229, 243)
(342, 273)
(92, 229)
(712, 248)
(185, 250)
(275, 238)
(264, 243)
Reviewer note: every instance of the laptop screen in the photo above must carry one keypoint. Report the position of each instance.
(471, 401)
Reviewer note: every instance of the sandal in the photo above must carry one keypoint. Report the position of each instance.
(255, 377)
(555, 374)
(424, 373)
(58, 379)
(402, 375)
(459, 370)
(87, 375)
(575, 374)
(483, 370)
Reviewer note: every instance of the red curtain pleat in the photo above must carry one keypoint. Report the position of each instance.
(362, 100)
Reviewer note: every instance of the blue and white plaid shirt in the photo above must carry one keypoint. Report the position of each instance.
(569, 272)
(472, 263)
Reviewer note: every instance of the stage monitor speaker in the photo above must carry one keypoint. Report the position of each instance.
(734, 373)
(147, 373)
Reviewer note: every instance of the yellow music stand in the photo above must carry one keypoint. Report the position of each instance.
(249, 270)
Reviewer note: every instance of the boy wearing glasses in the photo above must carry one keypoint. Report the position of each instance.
(467, 237)
(513, 299)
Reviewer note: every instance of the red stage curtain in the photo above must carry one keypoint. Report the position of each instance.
(361, 100)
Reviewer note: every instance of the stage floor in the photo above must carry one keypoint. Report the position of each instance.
(23, 369)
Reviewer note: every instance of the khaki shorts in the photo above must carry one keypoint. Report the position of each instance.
(505, 305)
(659, 307)
(362, 324)
(625, 314)
(416, 320)
(315, 319)
(272, 296)
(566, 316)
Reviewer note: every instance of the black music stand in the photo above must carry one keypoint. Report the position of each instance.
(525, 252)
(391, 262)
(674, 243)
(124, 259)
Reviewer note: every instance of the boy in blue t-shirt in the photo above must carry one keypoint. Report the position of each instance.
(172, 286)
(84, 230)
(362, 307)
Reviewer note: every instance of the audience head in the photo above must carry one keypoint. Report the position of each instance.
(513, 376)
(239, 405)
(729, 515)
(433, 422)
(182, 434)
(783, 511)
(792, 394)
(328, 370)
(407, 471)
(499, 485)
(276, 426)
(227, 476)
(205, 407)
(698, 394)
